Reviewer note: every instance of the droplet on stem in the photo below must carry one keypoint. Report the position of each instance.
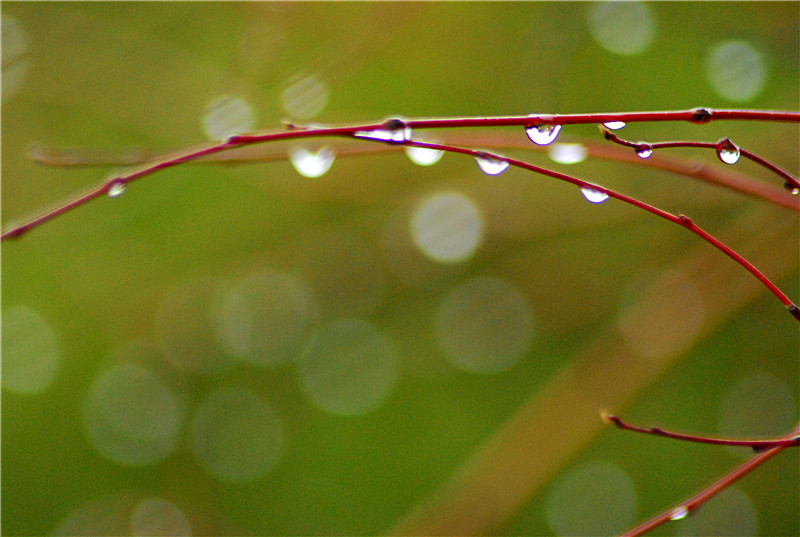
(792, 188)
(543, 134)
(701, 115)
(489, 165)
(644, 150)
(423, 156)
(310, 164)
(727, 151)
(593, 195)
(117, 188)
(679, 513)
(614, 125)
(394, 130)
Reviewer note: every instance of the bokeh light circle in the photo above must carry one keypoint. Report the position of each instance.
(349, 367)
(235, 435)
(157, 517)
(730, 514)
(228, 115)
(447, 227)
(757, 405)
(263, 318)
(485, 325)
(593, 498)
(131, 416)
(736, 70)
(31, 351)
(624, 28)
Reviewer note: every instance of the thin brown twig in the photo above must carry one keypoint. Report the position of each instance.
(686, 507)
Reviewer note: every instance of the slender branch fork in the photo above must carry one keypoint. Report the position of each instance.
(397, 132)
(696, 115)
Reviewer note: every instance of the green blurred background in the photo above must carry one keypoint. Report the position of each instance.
(244, 350)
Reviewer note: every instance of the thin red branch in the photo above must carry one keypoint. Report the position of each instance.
(791, 182)
(756, 445)
(679, 219)
(696, 115)
(686, 507)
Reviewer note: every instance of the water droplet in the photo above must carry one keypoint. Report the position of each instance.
(423, 156)
(792, 188)
(727, 151)
(567, 153)
(644, 150)
(679, 513)
(701, 115)
(394, 130)
(614, 125)
(593, 195)
(543, 134)
(491, 166)
(310, 164)
(117, 188)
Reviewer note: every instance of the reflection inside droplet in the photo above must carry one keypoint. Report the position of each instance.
(727, 151)
(593, 195)
(491, 166)
(423, 156)
(543, 134)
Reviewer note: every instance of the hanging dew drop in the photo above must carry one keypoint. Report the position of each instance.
(592, 195)
(793, 189)
(679, 513)
(116, 189)
(394, 130)
(491, 166)
(727, 151)
(543, 134)
(423, 156)
(644, 150)
(310, 164)
(614, 125)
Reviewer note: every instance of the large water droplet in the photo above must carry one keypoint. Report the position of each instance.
(491, 166)
(310, 164)
(792, 188)
(614, 125)
(394, 130)
(593, 195)
(116, 189)
(727, 151)
(543, 134)
(424, 156)
(644, 150)
(679, 513)
(567, 153)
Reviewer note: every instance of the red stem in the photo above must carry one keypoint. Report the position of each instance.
(712, 490)
(757, 445)
(791, 181)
